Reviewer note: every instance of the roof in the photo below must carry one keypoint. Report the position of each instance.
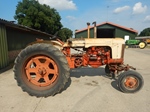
(21, 27)
(143, 37)
(122, 27)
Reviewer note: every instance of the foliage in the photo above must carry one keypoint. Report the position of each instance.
(65, 34)
(37, 16)
(145, 32)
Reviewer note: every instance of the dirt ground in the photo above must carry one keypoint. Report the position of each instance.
(89, 91)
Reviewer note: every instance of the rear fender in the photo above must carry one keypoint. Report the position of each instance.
(56, 44)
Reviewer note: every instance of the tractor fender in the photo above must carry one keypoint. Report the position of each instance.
(56, 44)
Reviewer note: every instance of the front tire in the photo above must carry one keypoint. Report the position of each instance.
(130, 82)
(41, 70)
(127, 46)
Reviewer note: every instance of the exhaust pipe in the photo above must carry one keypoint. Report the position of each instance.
(88, 27)
(95, 29)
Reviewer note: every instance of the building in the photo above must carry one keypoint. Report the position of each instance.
(15, 37)
(108, 30)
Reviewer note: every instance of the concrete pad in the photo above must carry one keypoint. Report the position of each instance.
(89, 91)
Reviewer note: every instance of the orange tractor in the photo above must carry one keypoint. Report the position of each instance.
(43, 68)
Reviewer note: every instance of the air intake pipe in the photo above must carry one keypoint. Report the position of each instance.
(95, 30)
(88, 27)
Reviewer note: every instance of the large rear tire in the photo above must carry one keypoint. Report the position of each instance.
(41, 70)
(142, 45)
(130, 82)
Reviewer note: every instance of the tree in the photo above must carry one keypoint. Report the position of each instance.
(65, 34)
(37, 16)
(145, 32)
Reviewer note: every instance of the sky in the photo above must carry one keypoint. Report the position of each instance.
(76, 13)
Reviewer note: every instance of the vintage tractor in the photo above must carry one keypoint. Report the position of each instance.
(43, 68)
(136, 43)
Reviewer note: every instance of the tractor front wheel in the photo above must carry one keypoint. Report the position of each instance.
(41, 70)
(130, 82)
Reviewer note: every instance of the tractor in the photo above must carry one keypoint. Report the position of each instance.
(138, 42)
(42, 69)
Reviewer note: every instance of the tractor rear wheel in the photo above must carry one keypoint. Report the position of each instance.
(142, 45)
(41, 70)
(130, 82)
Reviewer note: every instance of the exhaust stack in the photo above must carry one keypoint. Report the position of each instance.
(88, 27)
(95, 29)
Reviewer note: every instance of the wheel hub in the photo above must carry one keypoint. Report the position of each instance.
(130, 82)
(42, 71)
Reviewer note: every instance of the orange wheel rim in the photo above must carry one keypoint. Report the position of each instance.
(41, 71)
(131, 82)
